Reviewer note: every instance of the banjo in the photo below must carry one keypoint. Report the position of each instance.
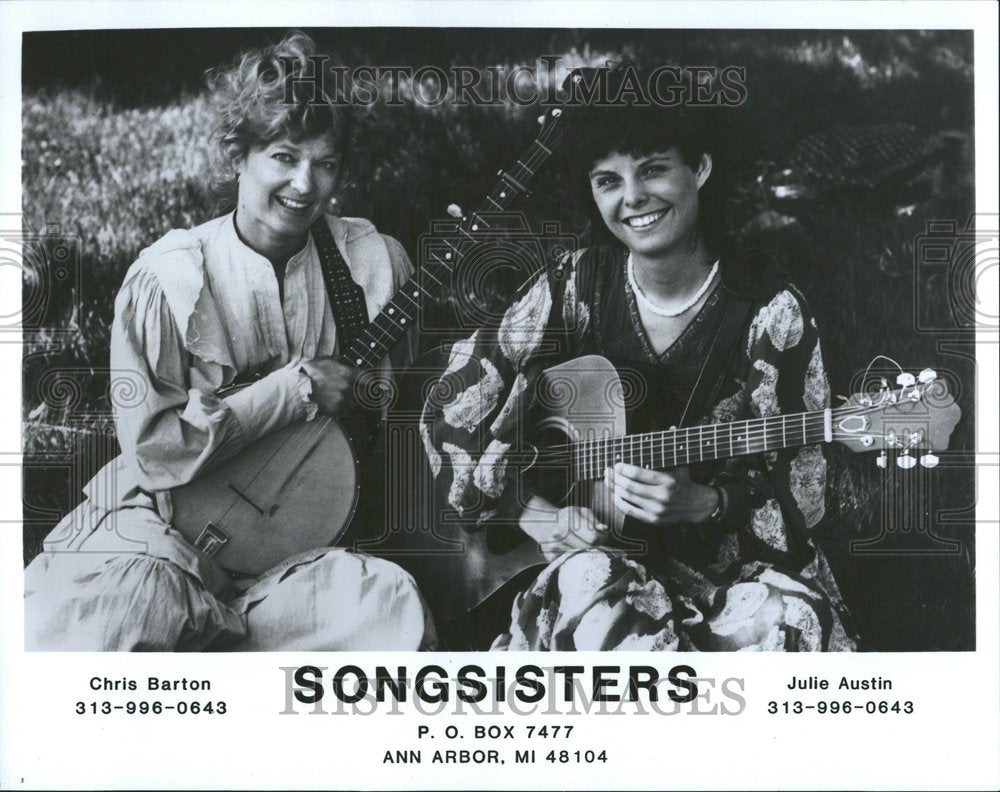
(298, 488)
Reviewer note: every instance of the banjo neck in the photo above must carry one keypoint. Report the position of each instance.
(434, 275)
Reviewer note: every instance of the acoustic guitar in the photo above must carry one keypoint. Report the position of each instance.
(580, 431)
(297, 489)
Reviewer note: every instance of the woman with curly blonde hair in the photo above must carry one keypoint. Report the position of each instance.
(240, 299)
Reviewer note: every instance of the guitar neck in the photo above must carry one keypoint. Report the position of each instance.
(673, 447)
(434, 275)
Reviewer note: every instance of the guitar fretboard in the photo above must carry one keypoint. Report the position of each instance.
(673, 447)
(434, 274)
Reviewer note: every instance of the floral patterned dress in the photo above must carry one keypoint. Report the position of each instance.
(756, 580)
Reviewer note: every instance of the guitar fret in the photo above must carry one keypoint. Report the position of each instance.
(505, 175)
(672, 448)
(477, 220)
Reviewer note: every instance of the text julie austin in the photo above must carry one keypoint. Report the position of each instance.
(843, 683)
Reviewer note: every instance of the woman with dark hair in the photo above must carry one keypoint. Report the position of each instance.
(730, 561)
(240, 299)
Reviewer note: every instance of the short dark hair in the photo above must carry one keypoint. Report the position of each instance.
(642, 129)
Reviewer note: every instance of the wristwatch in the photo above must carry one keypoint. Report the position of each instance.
(720, 511)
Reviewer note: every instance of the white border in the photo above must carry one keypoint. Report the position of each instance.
(951, 744)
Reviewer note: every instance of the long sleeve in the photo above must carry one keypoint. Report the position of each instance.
(176, 426)
(776, 502)
(473, 417)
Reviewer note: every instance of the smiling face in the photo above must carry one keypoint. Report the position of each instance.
(650, 203)
(283, 187)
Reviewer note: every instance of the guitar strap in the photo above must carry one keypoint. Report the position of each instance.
(347, 298)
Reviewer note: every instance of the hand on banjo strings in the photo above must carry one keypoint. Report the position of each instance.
(332, 384)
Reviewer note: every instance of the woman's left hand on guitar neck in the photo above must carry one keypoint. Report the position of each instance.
(661, 497)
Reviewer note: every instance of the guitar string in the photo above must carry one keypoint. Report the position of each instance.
(600, 449)
(754, 433)
(591, 456)
(316, 428)
(671, 437)
(587, 454)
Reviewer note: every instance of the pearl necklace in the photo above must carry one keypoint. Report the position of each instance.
(653, 308)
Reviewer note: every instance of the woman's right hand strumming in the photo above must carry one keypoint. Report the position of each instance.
(559, 530)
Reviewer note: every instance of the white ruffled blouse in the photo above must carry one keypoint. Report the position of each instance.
(198, 310)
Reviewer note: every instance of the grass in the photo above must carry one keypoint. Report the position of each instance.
(114, 177)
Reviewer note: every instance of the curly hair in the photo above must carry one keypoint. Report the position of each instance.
(270, 93)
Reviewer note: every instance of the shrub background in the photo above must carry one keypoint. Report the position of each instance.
(115, 147)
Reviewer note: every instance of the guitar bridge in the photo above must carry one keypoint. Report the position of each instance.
(211, 540)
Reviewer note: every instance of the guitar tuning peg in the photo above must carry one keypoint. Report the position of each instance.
(455, 211)
(885, 383)
(905, 461)
(927, 375)
(843, 398)
(541, 118)
(905, 380)
(882, 460)
(929, 460)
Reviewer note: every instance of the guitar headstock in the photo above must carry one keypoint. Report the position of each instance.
(910, 421)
